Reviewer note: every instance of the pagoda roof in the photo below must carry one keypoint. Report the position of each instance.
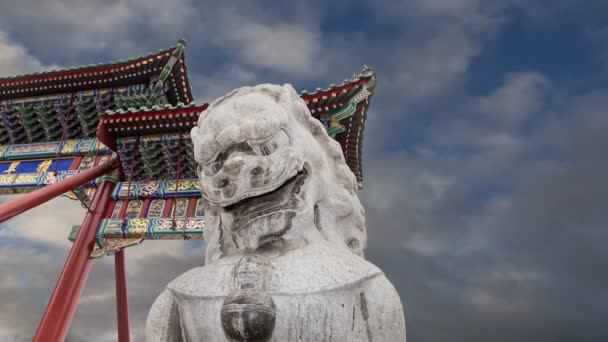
(341, 108)
(137, 70)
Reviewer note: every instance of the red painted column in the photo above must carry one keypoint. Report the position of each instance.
(60, 309)
(122, 303)
(47, 193)
(144, 208)
(191, 206)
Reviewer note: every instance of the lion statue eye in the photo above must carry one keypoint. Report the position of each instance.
(278, 140)
(212, 169)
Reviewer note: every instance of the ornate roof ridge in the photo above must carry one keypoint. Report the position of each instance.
(91, 66)
(367, 71)
(166, 106)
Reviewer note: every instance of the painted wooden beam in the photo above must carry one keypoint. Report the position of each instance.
(40, 196)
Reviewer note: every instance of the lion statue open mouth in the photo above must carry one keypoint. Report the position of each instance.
(285, 234)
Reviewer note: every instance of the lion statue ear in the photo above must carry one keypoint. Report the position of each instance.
(292, 94)
(289, 99)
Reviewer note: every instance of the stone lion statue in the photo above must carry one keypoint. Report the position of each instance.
(285, 234)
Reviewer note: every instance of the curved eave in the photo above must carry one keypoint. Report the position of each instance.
(179, 85)
(351, 140)
(147, 122)
(332, 92)
(336, 93)
(323, 103)
(115, 74)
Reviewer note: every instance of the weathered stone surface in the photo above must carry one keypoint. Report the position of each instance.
(285, 233)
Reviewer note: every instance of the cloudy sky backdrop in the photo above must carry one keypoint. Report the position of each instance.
(484, 156)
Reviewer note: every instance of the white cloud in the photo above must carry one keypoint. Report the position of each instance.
(66, 29)
(67, 25)
(208, 87)
(401, 197)
(48, 223)
(486, 130)
(502, 141)
(425, 68)
(287, 48)
(470, 132)
(496, 157)
(424, 245)
(520, 95)
(246, 33)
(503, 289)
(15, 59)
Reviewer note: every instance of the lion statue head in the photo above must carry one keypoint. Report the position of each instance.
(271, 178)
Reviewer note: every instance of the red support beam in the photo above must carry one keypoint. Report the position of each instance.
(122, 303)
(47, 193)
(75, 163)
(62, 305)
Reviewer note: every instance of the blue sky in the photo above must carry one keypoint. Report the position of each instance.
(484, 152)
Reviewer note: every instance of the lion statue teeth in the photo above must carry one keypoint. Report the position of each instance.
(285, 234)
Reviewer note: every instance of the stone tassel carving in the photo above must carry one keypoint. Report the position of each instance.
(248, 313)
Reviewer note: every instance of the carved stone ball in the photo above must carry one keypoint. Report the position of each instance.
(248, 315)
